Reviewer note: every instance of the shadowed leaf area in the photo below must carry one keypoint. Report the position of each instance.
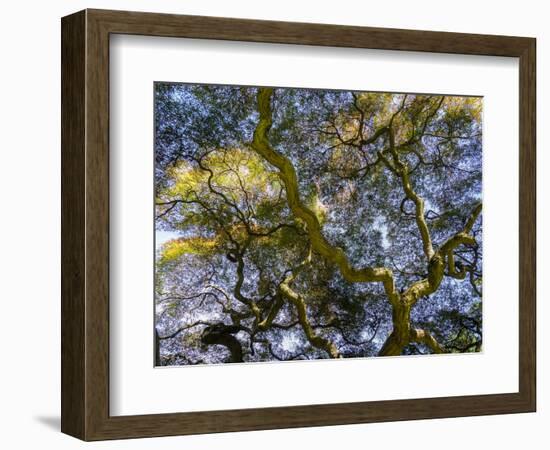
(298, 224)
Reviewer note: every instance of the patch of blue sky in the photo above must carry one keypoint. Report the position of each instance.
(162, 236)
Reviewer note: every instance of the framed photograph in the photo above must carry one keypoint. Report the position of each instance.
(273, 225)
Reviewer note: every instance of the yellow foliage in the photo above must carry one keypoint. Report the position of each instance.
(471, 106)
(234, 171)
(175, 248)
(316, 205)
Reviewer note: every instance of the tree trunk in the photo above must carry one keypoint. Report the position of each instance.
(221, 334)
(400, 336)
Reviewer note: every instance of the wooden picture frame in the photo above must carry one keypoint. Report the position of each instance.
(85, 224)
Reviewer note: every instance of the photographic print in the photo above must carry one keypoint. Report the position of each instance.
(304, 224)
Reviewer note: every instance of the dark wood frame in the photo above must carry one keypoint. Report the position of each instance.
(85, 224)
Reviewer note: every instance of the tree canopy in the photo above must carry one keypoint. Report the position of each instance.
(310, 224)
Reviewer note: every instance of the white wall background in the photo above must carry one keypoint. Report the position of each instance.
(30, 229)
